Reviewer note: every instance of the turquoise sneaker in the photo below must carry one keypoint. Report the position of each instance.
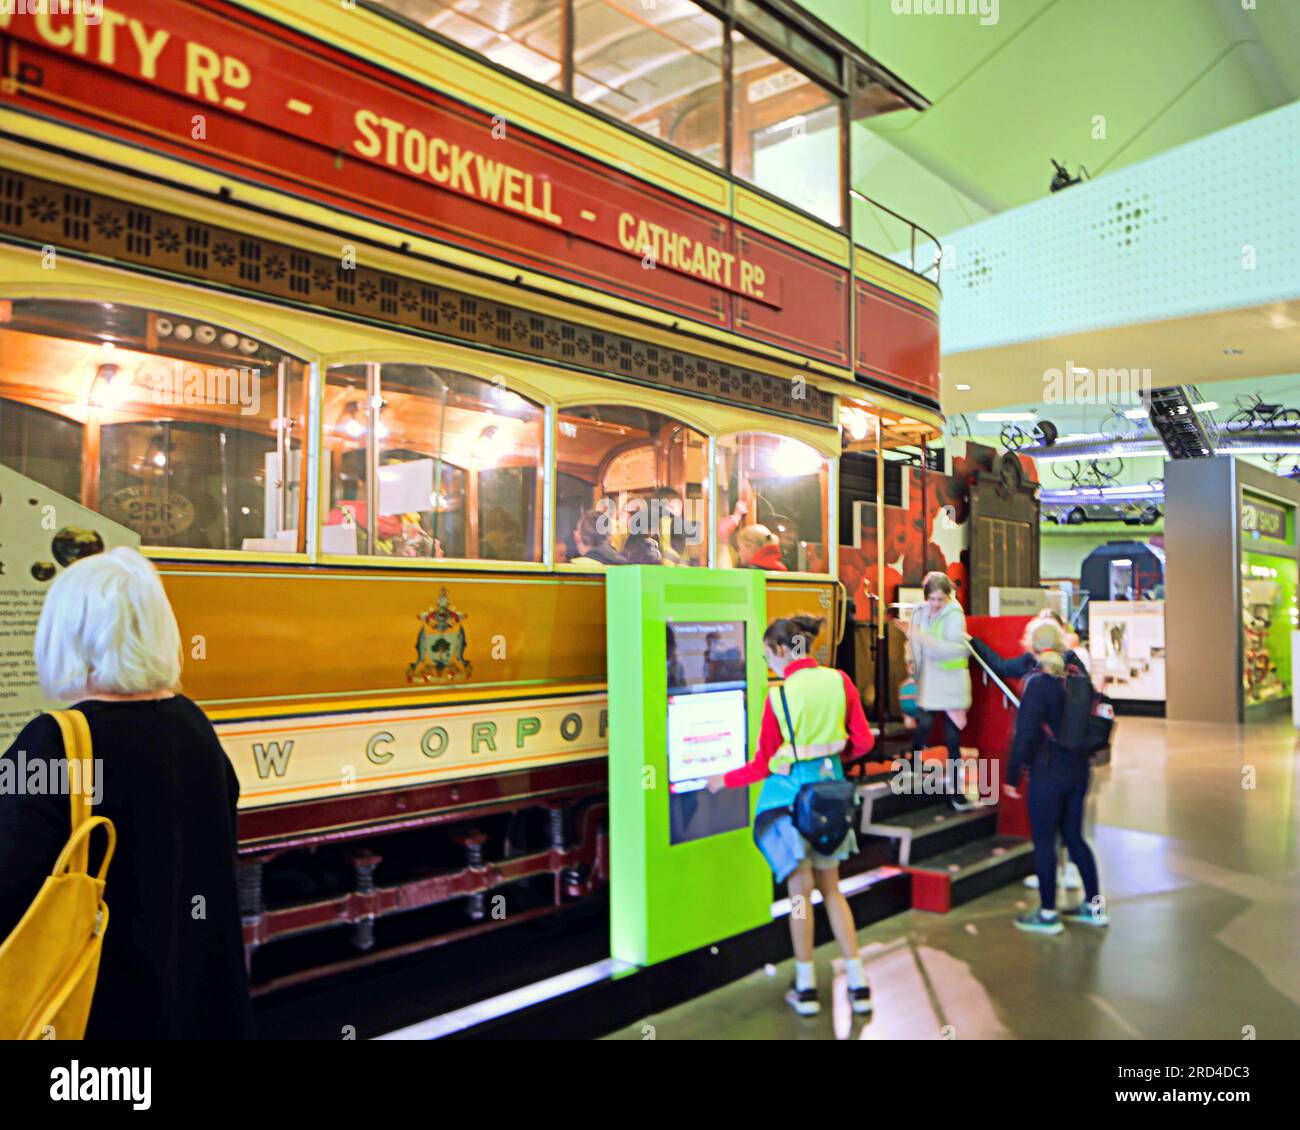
(1035, 922)
(1086, 915)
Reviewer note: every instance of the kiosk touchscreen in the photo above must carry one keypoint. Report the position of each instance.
(707, 732)
(687, 681)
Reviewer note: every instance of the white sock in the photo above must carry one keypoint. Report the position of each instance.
(853, 970)
(1049, 914)
(805, 976)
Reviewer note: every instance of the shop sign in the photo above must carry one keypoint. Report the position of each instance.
(1264, 521)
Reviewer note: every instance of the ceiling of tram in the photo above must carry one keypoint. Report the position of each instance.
(1098, 83)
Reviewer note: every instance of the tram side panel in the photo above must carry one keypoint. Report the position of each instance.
(440, 738)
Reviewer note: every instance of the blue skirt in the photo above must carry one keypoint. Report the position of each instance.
(785, 849)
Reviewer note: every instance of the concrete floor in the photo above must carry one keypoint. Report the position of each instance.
(1202, 880)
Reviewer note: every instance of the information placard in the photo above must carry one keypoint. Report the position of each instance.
(41, 534)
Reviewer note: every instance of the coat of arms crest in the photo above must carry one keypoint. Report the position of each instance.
(440, 646)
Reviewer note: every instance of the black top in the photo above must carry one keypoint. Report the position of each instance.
(1042, 703)
(173, 960)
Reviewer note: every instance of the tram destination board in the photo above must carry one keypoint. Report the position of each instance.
(294, 114)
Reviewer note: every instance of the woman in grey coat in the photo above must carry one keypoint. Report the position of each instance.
(937, 653)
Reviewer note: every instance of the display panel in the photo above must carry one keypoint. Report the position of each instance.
(707, 727)
(1269, 614)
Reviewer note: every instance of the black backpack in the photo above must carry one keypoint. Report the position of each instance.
(1088, 721)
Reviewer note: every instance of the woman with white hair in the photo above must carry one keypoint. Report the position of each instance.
(172, 965)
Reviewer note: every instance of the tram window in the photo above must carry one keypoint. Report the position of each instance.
(456, 463)
(786, 136)
(524, 38)
(772, 494)
(645, 477)
(795, 42)
(188, 433)
(42, 445)
(657, 68)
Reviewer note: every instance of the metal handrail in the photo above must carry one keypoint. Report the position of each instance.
(1006, 690)
(915, 227)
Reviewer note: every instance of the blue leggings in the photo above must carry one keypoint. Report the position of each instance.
(1056, 808)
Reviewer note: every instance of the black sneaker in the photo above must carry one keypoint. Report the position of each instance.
(860, 999)
(803, 1001)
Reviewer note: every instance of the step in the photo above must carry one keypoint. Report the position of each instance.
(880, 803)
(961, 874)
(926, 832)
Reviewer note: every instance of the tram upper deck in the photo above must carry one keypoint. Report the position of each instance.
(350, 327)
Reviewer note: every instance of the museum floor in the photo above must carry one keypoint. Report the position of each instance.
(1203, 883)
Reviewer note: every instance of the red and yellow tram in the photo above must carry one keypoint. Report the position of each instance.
(352, 312)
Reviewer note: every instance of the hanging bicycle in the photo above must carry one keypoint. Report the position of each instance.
(1016, 437)
(1254, 414)
(1086, 473)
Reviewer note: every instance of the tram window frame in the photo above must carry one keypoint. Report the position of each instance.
(642, 115)
(724, 10)
(701, 433)
(558, 85)
(827, 508)
(836, 103)
(141, 346)
(532, 527)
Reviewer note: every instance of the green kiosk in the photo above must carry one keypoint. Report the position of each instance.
(687, 681)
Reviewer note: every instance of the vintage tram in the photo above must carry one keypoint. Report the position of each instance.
(355, 314)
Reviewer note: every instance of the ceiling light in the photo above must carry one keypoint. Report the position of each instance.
(492, 445)
(792, 459)
(1230, 352)
(1005, 417)
(349, 422)
(109, 387)
(855, 422)
(962, 388)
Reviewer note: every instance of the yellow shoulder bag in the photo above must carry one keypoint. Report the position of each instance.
(49, 964)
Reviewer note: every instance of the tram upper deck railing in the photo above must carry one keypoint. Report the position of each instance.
(932, 271)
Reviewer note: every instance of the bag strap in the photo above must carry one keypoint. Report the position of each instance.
(785, 707)
(79, 842)
(78, 752)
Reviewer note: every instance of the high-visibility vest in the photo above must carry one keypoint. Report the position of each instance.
(955, 664)
(815, 697)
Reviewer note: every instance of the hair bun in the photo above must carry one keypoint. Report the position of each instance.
(810, 624)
